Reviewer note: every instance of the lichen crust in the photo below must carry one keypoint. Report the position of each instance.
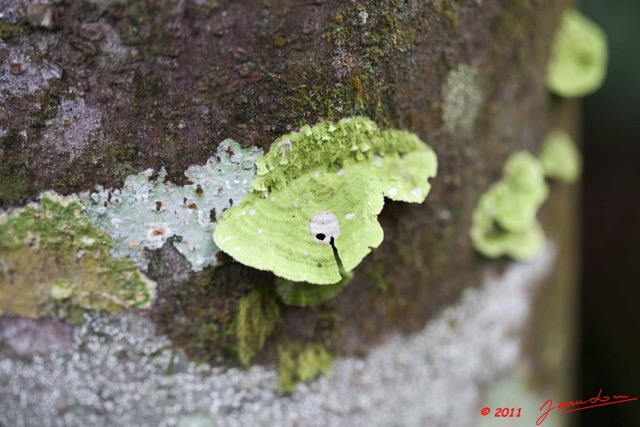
(54, 261)
(145, 213)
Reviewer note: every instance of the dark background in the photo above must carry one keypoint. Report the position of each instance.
(610, 353)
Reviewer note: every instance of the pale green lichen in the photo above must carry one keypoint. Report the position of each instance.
(299, 362)
(578, 61)
(462, 100)
(319, 191)
(146, 212)
(54, 261)
(504, 221)
(302, 294)
(256, 318)
(196, 420)
(560, 157)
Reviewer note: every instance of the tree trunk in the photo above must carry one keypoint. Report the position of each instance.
(428, 332)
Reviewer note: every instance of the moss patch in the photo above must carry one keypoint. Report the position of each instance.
(8, 31)
(53, 261)
(299, 362)
(257, 316)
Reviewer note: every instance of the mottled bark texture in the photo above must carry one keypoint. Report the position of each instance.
(95, 90)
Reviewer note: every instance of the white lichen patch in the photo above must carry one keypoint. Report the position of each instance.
(21, 75)
(463, 99)
(116, 373)
(75, 125)
(146, 212)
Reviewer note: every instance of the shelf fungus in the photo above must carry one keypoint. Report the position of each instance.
(316, 197)
(578, 61)
(504, 221)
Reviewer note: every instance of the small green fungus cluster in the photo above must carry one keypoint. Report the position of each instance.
(560, 157)
(504, 221)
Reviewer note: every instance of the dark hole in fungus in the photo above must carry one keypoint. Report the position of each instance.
(158, 205)
(212, 215)
(319, 264)
(199, 190)
(320, 236)
(230, 202)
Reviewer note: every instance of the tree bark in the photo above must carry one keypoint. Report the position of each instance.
(95, 91)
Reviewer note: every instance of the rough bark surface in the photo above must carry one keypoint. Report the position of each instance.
(109, 88)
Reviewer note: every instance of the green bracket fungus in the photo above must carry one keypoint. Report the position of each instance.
(299, 362)
(145, 213)
(317, 195)
(578, 62)
(54, 261)
(560, 157)
(504, 221)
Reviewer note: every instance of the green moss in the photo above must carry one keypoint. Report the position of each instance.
(299, 362)
(578, 62)
(366, 39)
(560, 157)
(504, 221)
(462, 100)
(12, 187)
(53, 261)
(257, 316)
(8, 31)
